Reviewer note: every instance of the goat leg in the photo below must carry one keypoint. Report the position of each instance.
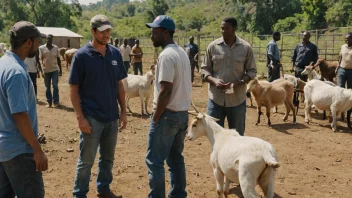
(259, 113)
(268, 115)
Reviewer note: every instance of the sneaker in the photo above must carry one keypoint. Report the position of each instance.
(56, 105)
(48, 105)
(109, 195)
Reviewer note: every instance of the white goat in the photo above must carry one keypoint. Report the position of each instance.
(247, 161)
(326, 97)
(141, 86)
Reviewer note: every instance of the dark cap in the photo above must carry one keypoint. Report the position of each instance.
(25, 29)
(162, 21)
(101, 22)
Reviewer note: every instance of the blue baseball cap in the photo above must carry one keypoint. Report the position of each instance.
(162, 21)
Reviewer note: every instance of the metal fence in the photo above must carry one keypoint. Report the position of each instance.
(328, 43)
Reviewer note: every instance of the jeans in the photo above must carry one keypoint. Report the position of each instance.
(236, 116)
(19, 177)
(166, 142)
(343, 76)
(54, 78)
(273, 73)
(298, 74)
(127, 65)
(136, 67)
(103, 136)
(33, 77)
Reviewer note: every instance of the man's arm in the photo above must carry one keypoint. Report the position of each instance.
(163, 99)
(207, 72)
(250, 67)
(294, 56)
(83, 123)
(39, 65)
(315, 54)
(24, 125)
(59, 63)
(122, 102)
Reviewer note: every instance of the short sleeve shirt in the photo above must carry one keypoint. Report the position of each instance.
(125, 51)
(49, 58)
(136, 50)
(16, 96)
(173, 66)
(97, 77)
(346, 56)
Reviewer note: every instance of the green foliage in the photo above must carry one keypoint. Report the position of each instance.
(295, 23)
(339, 13)
(314, 11)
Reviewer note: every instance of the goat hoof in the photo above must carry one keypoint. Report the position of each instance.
(257, 123)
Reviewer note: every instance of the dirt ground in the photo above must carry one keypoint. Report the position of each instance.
(315, 162)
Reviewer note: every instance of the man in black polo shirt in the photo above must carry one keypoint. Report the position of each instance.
(96, 83)
(304, 53)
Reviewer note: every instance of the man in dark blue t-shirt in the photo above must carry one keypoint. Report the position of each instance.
(192, 52)
(96, 85)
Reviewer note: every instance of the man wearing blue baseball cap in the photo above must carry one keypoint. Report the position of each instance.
(169, 120)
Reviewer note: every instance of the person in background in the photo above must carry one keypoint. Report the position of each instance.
(116, 42)
(344, 70)
(126, 51)
(192, 52)
(273, 58)
(22, 159)
(137, 55)
(33, 68)
(169, 120)
(50, 56)
(303, 54)
(228, 64)
(96, 93)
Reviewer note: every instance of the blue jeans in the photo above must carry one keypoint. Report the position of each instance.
(103, 136)
(54, 78)
(343, 76)
(166, 142)
(236, 116)
(19, 177)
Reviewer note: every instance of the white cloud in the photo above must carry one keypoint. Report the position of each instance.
(86, 2)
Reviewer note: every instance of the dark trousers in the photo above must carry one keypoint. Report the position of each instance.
(136, 67)
(273, 73)
(19, 177)
(298, 74)
(33, 77)
(194, 64)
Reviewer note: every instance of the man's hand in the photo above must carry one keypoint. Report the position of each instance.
(60, 73)
(123, 120)
(220, 84)
(337, 69)
(83, 125)
(38, 75)
(41, 161)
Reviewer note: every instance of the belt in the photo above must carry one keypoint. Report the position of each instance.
(171, 110)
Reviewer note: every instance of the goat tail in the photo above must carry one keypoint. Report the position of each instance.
(270, 159)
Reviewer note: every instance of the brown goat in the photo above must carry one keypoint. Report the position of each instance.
(272, 94)
(327, 68)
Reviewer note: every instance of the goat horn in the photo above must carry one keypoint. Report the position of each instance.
(193, 113)
(195, 108)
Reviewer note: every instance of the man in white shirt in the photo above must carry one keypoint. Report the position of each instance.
(126, 51)
(33, 68)
(169, 120)
(50, 56)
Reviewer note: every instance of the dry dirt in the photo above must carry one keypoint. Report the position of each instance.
(315, 162)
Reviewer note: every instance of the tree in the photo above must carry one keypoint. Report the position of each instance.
(314, 11)
(156, 8)
(131, 9)
(339, 13)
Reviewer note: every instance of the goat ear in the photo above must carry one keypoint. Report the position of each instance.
(152, 67)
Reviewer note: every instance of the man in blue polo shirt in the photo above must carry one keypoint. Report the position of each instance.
(96, 85)
(21, 157)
